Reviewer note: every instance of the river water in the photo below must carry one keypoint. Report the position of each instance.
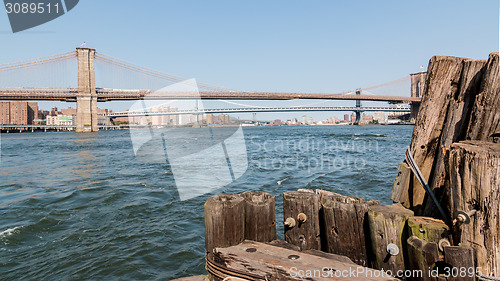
(85, 207)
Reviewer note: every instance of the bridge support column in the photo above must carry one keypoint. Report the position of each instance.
(417, 89)
(414, 107)
(86, 99)
(358, 112)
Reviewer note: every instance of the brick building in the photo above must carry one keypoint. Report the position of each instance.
(18, 112)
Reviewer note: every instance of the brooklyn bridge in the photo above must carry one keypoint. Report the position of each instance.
(33, 78)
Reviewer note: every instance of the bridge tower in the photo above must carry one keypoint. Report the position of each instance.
(417, 90)
(358, 105)
(86, 99)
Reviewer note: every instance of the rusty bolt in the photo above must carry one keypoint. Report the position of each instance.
(464, 217)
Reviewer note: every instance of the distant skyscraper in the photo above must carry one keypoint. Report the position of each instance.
(346, 117)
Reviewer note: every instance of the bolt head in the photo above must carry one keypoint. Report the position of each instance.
(289, 222)
(302, 218)
(392, 249)
(443, 243)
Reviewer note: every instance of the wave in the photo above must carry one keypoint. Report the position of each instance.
(10, 231)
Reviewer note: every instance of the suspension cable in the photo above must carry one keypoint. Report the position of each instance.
(37, 60)
(36, 63)
(154, 73)
(379, 86)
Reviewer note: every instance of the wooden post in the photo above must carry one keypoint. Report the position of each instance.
(451, 86)
(344, 226)
(428, 229)
(303, 233)
(387, 224)
(461, 262)
(474, 171)
(456, 118)
(260, 222)
(421, 258)
(224, 221)
(484, 120)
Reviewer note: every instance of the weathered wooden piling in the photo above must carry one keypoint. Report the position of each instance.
(344, 226)
(301, 214)
(421, 258)
(474, 171)
(455, 145)
(387, 236)
(224, 221)
(260, 221)
(449, 92)
(428, 229)
(461, 263)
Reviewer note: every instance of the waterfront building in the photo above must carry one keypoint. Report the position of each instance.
(32, 112)
(4, 113)
(367, 117)
(210, 118)
(59, 120)
(379, 116)
(18, 112)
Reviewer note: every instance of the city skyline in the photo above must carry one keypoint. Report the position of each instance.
(28, 113)
(278, 52)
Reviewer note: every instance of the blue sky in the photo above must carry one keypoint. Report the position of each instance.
(293, 46)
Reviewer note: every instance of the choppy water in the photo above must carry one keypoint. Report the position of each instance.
(82, 207)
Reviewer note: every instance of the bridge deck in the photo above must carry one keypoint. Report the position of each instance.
(113, 94)
(257, 109)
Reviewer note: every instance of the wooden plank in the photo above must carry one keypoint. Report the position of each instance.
(344, 226)
(386, 226)
(338, 197)
(267, 262)
(421, 258)
(474, 171)
(428, 229)
(461, 260)
(224, 221)
(260, 222)
(306, 234)
(193, 278)
(399, 192)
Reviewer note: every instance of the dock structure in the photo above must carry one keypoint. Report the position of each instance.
(443, 225)
(277, 260)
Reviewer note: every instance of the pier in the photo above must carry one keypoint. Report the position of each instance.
(443, 224)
